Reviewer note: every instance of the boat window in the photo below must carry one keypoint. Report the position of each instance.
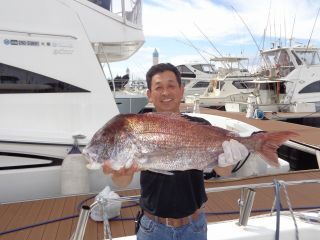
(128, 9)
(220, 84)
(201, 85)
(185, 72)
(206, 68)
(184, 69)
(280, 62)
(311, 88)
(267, 86)
(184, 82)
(102, 3)
(241, 84)
(309, 57)
(299, 62)
(17, 80)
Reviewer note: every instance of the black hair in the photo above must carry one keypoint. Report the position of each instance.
(160, 68)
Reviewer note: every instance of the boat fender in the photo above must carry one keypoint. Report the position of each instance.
(106, 209)
(74, 173)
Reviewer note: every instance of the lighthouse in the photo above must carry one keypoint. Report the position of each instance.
(155, 57)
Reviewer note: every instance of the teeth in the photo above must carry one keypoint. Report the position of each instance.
(167, 100)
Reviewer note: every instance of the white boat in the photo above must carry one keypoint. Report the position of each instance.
(195, 77)
(52, 86)
(230, 84)
(194, 71)
(292, 77)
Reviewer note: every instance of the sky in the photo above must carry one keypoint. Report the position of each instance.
(185, 31)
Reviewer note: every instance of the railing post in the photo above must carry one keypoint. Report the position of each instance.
(82, 223)
(245, 203)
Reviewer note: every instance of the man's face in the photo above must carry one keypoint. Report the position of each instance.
(165, 93)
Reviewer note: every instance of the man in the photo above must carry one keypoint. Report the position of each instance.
(173, 204)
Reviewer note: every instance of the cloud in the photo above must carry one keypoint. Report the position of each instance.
(169, 25)
(218, 19)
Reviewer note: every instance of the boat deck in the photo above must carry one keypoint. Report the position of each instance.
(220, 206)
(308, 135)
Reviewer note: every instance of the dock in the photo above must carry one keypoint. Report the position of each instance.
(219, 207)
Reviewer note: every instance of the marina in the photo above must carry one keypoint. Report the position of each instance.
(57, 89)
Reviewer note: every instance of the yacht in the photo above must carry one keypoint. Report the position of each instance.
(54, 94)
(195, 77)
(230, 84)
(288, 80)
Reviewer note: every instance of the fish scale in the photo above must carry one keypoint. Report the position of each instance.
(169, 141)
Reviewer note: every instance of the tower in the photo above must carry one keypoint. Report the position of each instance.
(155, 57)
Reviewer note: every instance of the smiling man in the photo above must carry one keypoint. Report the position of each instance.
(164, 88)
(172, 205)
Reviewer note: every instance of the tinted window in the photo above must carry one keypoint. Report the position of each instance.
(204, 68)
(184, 69)
(242, 85)
(201, 85)
(17, 80)
(311, 88)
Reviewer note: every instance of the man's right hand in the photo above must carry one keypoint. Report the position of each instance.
(121, 177)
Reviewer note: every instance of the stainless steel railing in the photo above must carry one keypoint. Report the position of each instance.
(245, 203)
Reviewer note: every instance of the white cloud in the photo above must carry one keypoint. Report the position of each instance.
(170, 18)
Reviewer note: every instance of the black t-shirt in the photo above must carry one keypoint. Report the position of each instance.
(173, 196)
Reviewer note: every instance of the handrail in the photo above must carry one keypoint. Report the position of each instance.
(260, 185)
(302, 147)
(245, 203)
(38, 34)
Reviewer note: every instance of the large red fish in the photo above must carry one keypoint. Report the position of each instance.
(167, 141)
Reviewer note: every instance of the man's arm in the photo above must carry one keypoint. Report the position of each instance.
(121, 177)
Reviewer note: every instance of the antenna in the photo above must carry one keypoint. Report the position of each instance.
(294, 21)
(254, 40)
(190, 45)
(313, 28)
(280, 45)
(211, 44)
(285, 30)
(195, 48)
(208, 40)
(265, 29)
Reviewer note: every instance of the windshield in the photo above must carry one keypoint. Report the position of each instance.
(130, 9)
(206, 68)
(309, 57)
(279, 61)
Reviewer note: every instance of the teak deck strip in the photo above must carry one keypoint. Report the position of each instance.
(26, 213)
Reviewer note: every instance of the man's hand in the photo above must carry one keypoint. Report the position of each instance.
(233, 152)
(107, 169)
(121, 177)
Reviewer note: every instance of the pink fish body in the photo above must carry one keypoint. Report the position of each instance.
(168, 141)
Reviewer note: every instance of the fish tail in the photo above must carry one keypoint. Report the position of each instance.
(266, 144)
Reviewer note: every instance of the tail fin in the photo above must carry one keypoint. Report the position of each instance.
(268, 143)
